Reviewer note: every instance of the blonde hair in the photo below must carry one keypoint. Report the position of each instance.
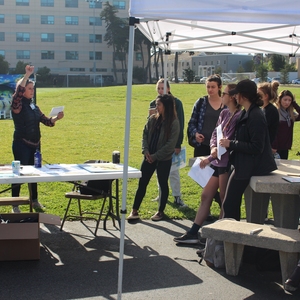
(290, 109)
(269, 89)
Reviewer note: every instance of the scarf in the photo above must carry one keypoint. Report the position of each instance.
(284, 116)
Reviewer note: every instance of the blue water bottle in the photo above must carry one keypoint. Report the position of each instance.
(37, 159)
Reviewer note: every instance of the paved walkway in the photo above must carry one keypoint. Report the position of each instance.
(76, 265)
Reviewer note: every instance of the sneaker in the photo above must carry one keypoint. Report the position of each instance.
(155, 199)
(187, 238)
(16, 209)
(133, 216)
(158, 216)
(290, 286)
(38, 207)
(179, 202)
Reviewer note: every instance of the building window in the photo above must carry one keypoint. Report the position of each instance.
(182, 64)
(22, 19)
(200, 63)
(187, 64)
(224, 62)
(71, 20)
(100, 70)
(138, 56)
(218, 62)
(73, 55)
(1, 3)
(77, 69)
(2, 36)
(95, 3)
(23, 54)
(49, 3)
(46, 54)
(23, 37)
(119, 4)
(47, 37)
(95, 21)
(2, 53)
(71, 3)
(22, 2)
(1, 18)
(71, 38)
(98, 55)
(240, 62)
(95, 38)
(47, 20)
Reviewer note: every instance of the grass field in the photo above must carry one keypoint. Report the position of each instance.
(93, 127)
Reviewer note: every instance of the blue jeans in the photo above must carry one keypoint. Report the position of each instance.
(163, 170)
(25, 155)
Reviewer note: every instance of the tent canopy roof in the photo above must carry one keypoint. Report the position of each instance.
(241, 26)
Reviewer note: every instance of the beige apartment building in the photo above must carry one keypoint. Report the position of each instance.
(67, 36)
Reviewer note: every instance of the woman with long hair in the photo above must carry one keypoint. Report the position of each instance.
(227, 120)
(159, 139)
(250, 148)
(286, 106)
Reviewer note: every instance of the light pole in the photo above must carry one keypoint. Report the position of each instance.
(94, 38)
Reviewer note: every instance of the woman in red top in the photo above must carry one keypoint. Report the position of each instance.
(286, 105)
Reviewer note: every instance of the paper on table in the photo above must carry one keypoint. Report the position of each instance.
(201, 176)
(291, 179)
(221, 149)
(55, 110)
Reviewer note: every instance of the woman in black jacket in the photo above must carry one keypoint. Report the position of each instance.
(251, 153)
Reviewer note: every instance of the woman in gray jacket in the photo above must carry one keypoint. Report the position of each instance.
(159, 139)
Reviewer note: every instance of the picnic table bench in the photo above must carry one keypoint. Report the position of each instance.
(236, 235)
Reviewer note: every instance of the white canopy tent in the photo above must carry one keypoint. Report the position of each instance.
(238, 26)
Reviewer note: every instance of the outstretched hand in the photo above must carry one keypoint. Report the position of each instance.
(29, 70)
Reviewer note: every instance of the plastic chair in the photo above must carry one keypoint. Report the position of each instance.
(96, 194)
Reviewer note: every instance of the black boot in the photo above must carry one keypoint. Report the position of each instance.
(292, 283)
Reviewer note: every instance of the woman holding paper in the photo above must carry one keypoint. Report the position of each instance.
(26, 139)
(219, 163)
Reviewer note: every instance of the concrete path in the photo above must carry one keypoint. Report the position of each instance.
(76, 265)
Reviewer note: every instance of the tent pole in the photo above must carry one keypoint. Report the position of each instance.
(132, 21)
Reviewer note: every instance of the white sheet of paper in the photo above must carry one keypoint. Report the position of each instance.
(179, 161)
(55, 110)
(201, 176)
(221, 149)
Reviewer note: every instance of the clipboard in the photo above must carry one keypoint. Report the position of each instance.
(55, 110)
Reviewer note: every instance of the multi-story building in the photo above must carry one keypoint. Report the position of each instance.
(204, 65)
(67, 36)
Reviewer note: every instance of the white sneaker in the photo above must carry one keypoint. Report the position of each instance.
(179, 202)
(16, 209)
(155, 199)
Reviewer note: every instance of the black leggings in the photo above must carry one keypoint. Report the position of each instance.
(163, 170)
(233, 196)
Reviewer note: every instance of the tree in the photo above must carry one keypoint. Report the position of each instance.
(140, 40)
(262, 72)
(218, 70)
(4, 65)
(44, 74)
(277, 62)
(189, 74)
(176, 67)
(139, 74)
(116, 36)
(20, 68)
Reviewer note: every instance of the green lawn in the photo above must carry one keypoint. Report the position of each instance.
(94, 126)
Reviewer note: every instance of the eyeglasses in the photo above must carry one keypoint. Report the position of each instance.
(223, 94)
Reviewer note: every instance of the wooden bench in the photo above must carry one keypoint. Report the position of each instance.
(236, 235)
(5, 201)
